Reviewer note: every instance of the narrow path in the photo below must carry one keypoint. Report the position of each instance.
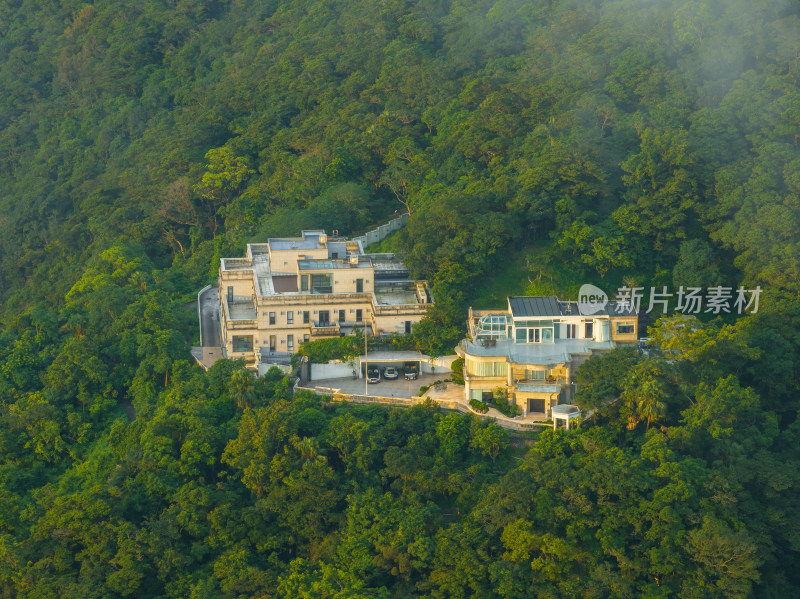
(129, 409)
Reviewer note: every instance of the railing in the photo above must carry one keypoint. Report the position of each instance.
(405, 402)
(551, 380)
(236, 263)
(400, 309)
(326, 328)
(250, 323)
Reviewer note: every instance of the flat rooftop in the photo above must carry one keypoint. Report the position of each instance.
(539, 354)
(389, 296)
(282, 243)
(242, 311)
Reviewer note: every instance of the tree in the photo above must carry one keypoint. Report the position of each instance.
(644, 393)
(488, 438)
(242, 388)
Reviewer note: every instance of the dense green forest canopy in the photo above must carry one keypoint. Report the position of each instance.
(650, 143)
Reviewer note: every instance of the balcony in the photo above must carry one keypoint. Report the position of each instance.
(548, 380)
(324, 329)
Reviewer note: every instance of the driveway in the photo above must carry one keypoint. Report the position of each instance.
(209, 318)
(396, 388)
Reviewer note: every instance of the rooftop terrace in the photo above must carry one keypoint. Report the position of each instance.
(541, 354)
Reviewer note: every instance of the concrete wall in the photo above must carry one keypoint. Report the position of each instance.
(440, 365)
(333, 370)
(377, 235)
(263, 368)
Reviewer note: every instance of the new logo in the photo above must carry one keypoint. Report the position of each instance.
(591, 299)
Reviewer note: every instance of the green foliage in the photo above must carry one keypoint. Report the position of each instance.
(538, 145)
(503, 405)
(321, 351)
(457, 368)
(478, 406)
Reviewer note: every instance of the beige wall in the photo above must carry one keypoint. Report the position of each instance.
(629, 337)
(521, 399)
(286, 260)
(395, 323)
(344, 279)
(241, 281)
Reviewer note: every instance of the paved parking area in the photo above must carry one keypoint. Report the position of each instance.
(397, 388)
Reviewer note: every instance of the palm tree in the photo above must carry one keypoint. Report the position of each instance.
(644, 395)
(309, 448)
(242, 389)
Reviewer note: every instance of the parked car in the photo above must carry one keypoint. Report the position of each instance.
(373, 375)
(411, 370)
(390, 373)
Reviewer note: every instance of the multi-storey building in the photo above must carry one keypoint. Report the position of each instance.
(290, 290)
(532, 348)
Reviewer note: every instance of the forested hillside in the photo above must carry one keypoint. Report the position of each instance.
(537, 144)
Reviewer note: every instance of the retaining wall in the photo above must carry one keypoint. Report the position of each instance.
(379, 234)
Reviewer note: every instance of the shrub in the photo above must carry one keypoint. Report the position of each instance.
(478, 406)
(458, 371)
(503, 405)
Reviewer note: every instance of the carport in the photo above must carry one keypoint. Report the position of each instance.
(382, 359)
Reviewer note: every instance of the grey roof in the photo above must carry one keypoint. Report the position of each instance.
(526, 307)
(548, 306)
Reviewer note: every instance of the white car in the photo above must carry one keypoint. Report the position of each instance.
(373, 375)
(390, 373)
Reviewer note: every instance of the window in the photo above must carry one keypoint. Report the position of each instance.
(534, 335)
(321, 284)
(324, 317)
(341, 315)
(408, 327)
(303, 282)
(589, 330)
(572, 331)
(305, 338)
(624, 329)
(305, 317)
(272, 317)
(290, 342)
(535, 375)
(495, 369)
(273, 342)
(290, 317)
(242, 343)
(335, 255)
(359, 285)
(359, 315)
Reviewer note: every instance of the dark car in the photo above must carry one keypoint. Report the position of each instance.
(390, 373)
(373, 375)
(411, 370)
